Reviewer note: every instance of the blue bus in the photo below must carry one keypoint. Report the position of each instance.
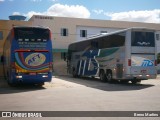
(27, 55)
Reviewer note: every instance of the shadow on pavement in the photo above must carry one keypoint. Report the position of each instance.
(6, 89)
(96, 83)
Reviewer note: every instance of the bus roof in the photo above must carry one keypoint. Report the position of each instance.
(41, 27)
(107, 34)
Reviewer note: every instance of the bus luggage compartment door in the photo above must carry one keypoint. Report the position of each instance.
(119, 70)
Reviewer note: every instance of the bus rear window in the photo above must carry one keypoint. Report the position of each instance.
(32, 34)
(144, 39)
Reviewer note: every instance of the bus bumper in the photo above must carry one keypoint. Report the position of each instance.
(141, 77)
(32, 79)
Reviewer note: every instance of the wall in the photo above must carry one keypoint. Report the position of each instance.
(55, 24)
(74, 26)
(92, 31)
(59, 65)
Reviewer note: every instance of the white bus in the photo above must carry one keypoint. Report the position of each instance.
(125, 55)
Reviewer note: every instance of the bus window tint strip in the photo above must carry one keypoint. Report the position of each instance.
(116, 40)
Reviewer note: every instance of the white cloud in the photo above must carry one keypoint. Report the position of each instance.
(16, 13)
(61, 10)
(31, 13)
(150, 16)
(2, 0)
(68, 11)
(98, 11)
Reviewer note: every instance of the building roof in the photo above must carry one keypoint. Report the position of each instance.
(98, 23)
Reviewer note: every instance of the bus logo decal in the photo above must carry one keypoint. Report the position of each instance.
(35, 59)
(141, 61)
(146, 63)
(88, 66)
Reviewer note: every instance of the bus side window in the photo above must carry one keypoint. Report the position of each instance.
(94, 44)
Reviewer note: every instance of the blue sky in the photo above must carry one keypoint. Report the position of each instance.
(124, 10)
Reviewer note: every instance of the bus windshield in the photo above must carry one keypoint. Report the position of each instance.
(144, 39)
(31, 34)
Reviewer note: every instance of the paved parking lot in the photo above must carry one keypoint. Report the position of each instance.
(65, 93)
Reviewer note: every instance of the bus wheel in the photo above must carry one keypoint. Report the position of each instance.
(124, 81)
(109, 76)
(136, 81)
(40, 84)
(7, 78)
(74, 74)
(102, 76)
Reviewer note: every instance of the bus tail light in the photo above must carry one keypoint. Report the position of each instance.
(41, 50)
(129, 62)
(31, 50)
(13, 67)
(148, 75)
(50, 67)
(155, 62)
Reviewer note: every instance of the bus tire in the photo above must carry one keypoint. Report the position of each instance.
(7, 78)
(74, 74)
(124, 81)
(109, 76)
(135, 81)
(102, 76)
(40, 84)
